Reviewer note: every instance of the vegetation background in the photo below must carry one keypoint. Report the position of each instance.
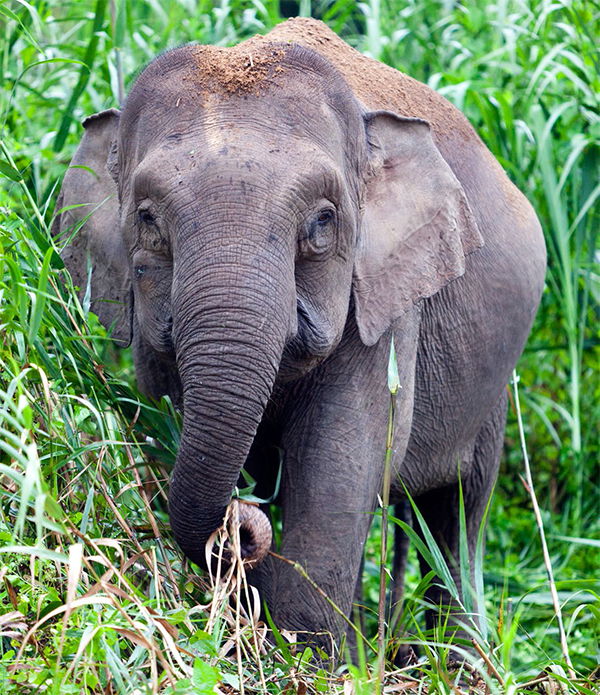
(93, 596)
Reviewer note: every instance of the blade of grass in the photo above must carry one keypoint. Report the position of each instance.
(541, 532)
(84, 76)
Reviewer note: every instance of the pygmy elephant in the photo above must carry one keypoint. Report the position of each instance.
(264, 219)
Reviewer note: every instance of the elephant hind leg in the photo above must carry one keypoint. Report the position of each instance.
(440, 509)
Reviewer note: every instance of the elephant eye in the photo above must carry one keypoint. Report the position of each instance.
(140, 270)
(319, 235)
(325, 216)
(146, 217)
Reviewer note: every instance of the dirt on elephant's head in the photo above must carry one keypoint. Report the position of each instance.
(236, 70)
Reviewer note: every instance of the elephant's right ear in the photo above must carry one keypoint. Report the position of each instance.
(96, 251)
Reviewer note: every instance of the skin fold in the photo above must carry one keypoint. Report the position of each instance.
(265, 218)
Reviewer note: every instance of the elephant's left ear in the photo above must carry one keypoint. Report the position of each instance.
(417, 224)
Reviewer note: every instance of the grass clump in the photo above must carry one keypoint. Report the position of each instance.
(93, 595)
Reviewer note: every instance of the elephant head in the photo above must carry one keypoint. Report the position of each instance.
(257, 210)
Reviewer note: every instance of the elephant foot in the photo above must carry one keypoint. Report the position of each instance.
(406, 655)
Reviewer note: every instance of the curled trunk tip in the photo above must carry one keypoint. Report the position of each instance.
(255, 532)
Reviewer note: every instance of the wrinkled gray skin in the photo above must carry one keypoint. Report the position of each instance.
(262, 246)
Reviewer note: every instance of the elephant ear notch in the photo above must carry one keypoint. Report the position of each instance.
(417, 225)
(95, 251)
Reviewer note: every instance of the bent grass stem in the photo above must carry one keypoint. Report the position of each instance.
(540, 524)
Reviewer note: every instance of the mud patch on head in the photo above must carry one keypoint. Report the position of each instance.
(241, 69)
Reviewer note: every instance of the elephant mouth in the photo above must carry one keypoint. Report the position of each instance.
(157, 331)
(306, 349)
(167, 347)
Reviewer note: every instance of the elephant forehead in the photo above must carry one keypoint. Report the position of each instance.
(269, 118)
(224, 141)
(229, 169)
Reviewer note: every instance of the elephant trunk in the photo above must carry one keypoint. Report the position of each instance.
(231, 319)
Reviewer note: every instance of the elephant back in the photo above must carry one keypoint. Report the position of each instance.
(379, 86)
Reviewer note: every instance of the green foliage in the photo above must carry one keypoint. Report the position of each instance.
(93, 595)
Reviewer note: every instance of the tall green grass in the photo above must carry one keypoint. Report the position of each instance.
(93, 595)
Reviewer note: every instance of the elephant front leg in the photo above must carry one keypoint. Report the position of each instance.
(334, 444)
(328, 500)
